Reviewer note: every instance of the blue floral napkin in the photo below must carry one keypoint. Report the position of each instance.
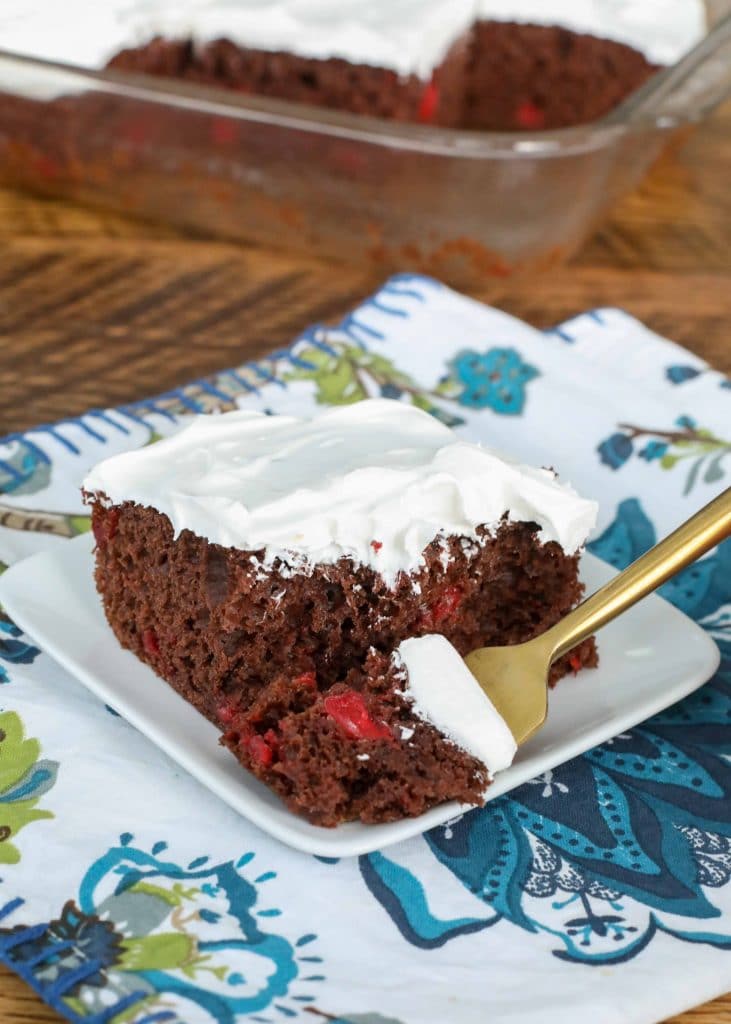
(600, 891)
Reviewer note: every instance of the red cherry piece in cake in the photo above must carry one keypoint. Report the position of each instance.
(224, 131)
(308, 679)
(226, 713)
(446, 605)
(528, 115)
(272, 739)
(150, 642)
(104, 525)
(429, 103)
(260, 750)
(350, 712)
(376, 545)
(575, 662)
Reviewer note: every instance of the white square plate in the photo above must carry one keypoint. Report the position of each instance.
(650, 658)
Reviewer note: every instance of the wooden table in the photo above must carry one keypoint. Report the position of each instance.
(97, 310)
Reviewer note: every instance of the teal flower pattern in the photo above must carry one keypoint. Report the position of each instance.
(496, 379)
(24, 467)
(148, 934)
(13, 649)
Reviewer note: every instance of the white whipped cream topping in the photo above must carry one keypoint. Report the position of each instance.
(376, 482)
(406, 36)
(443, 691)
(663, 30)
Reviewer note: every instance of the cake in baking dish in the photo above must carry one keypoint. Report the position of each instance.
(486, 64)
(405, 60)
(536, 65)
(482, 64)
(271, 569)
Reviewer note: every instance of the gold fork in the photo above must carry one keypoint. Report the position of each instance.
(516, 678)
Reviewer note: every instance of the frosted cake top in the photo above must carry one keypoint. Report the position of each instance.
(375, 482)
(405, 36)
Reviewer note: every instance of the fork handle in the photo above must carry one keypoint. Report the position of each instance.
(694, 538)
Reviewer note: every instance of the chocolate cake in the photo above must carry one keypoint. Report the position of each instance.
(536, 77)
(504, 65)
(333, 83)
(268, 568)
(481, 64)
(403, 60)
(516, 78)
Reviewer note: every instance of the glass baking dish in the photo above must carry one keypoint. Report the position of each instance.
(458, 204)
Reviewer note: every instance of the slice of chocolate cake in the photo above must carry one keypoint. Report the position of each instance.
(263, 565)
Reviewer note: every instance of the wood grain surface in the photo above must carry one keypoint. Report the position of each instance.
(96, 310)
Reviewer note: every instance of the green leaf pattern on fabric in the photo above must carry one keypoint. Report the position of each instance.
(23, 780)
